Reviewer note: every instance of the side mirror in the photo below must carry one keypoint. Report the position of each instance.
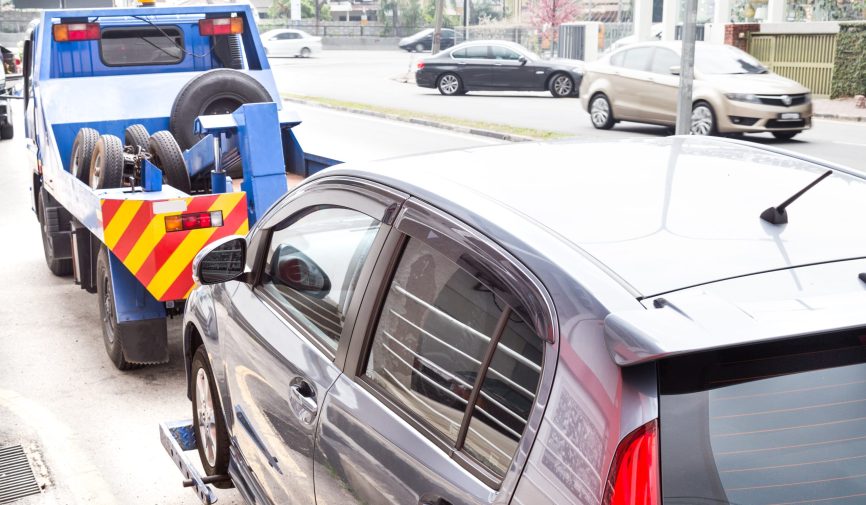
(675, 70)
(294, 269)
(522, 60)
(220, 261)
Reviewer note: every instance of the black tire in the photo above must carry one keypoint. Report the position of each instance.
(218, 91)
(601, 112)
(60, 267)
(136, 136)
(7, 131)
(166, 155)
(305, 52)
(786, 135)
(450, 84)
(106, 166)
(215, 461)
(560, 85)
(107, 314)
(82, 153)
(703, 120)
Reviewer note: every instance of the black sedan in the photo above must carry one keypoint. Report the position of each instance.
(423, 40)
(494, 65)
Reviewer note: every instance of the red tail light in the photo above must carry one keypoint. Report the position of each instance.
(634, 474)
(221, 26)
(420, 65)
(70, 32)
(183, 222)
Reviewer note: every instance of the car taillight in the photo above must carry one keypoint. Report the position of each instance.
(194, 221)
(221, 26)
(420, 65)
(71, 32)
(634, 474)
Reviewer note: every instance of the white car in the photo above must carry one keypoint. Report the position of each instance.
(289, 42)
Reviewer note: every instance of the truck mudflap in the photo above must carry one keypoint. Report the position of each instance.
(177, 438)
(156, 240)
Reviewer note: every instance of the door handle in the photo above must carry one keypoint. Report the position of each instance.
(303, 400)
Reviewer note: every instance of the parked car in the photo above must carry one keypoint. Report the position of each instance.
(497, 65)
(733, 92)
(453, 328)
(6, 126)
(423, 40)
(289, 42)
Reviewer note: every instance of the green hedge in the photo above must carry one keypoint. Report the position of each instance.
(849, 72)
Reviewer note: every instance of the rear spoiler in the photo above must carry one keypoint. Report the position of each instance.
(690, 322)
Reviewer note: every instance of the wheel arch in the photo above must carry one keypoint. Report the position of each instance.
(554, 74)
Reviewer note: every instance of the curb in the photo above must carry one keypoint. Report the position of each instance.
(840, 117)
(509, 137)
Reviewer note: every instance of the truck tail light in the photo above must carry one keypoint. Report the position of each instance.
(634, 474)
(71, 32)
(221, 26)
(194, 221)
(420, 65)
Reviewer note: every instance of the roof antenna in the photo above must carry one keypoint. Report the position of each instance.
(778, 215)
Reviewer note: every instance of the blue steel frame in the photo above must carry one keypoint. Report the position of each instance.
(132, 302)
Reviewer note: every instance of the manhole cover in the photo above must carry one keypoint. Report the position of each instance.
(16, 477)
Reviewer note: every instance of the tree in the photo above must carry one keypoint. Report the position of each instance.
(547, 15)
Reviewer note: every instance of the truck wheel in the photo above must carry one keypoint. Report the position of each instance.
(218, 91)
(136, 136)
(6, 131)
(165, 154)
(82, 153)
(52, 220)
(107, 314)
(106, 167)
(212, 438)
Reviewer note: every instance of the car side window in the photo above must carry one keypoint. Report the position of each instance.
(638, 58)
(440, 334)
(663, 60)
(616, 59)
(459, 54)
(479, 52)
(503, 53)
(312, 267)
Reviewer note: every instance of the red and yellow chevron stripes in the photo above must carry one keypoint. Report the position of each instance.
(134, 230)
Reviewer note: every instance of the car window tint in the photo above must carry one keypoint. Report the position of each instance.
(663, 60)
(432, 334)
(616, 59)
(503, 53)
(638, 58)
(313, 265)
(459, 54)
(476, 52)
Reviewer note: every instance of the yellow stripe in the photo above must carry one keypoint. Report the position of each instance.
(188, 248)
(149, 239)
(121, 221)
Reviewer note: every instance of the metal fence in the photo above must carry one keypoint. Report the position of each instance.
(805, 58)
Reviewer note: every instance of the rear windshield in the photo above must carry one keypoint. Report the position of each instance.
(778, 424)
(121, 47)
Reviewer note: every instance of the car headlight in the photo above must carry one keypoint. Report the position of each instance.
(808, 98)
(743, 97)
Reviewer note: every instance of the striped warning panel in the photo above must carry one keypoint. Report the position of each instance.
(135, 231)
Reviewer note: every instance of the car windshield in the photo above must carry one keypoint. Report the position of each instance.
(721, 59)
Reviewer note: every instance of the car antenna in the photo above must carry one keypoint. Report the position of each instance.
(778, 215)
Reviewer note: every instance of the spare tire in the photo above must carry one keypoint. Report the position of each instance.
(106, 165)
(166, 155)
(218, 91)
(136, 136)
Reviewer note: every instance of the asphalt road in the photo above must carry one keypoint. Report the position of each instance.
(375, 77)
(93, 428)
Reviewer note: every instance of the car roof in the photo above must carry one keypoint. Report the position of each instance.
(657, 215)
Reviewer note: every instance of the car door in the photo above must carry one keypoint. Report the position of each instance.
(286, 330)
(473, 65)
(446, 375)
(507, 72)
(630, 79)
(659, 93)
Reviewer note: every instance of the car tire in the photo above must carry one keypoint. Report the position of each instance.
(82, 153)
(7, 131)
(703, 119)
(107, 313)
(600, 112)
(136, 136)
(106, 165)
(218, 91)
(786, 135)
(166, 155)
(212, 438)
(61, 267)
(560, 86)
(449, 84)
(305, 52)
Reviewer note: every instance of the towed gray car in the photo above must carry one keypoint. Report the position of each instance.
(451, 329)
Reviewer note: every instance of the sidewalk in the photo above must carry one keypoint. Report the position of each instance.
(842, 108)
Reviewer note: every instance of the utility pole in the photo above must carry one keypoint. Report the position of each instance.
(437, 30)
(466, 19)
(687, 69)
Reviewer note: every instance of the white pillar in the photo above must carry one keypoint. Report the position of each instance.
(670, 9)
(643, 19)
(776, 11)
(722, 14)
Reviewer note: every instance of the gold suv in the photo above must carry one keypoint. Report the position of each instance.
(733, 92)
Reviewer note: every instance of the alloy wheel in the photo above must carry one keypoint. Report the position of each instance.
(562, 85)
(702, 121)
(599, 111)
(449, 84)
(207, 435)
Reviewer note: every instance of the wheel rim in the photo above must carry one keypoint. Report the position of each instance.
(449, 84)
(305, 52)
(206, 418)
(702, 121)
(562, 85)
(96, 172)
(108, 310)
(599, 111)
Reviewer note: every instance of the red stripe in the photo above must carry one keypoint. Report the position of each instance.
(148, 269)
(184, 281)
(133, 232)
(201, 203)
(109, 208)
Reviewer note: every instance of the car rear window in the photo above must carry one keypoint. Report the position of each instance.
(780, 424)
(134, 46)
